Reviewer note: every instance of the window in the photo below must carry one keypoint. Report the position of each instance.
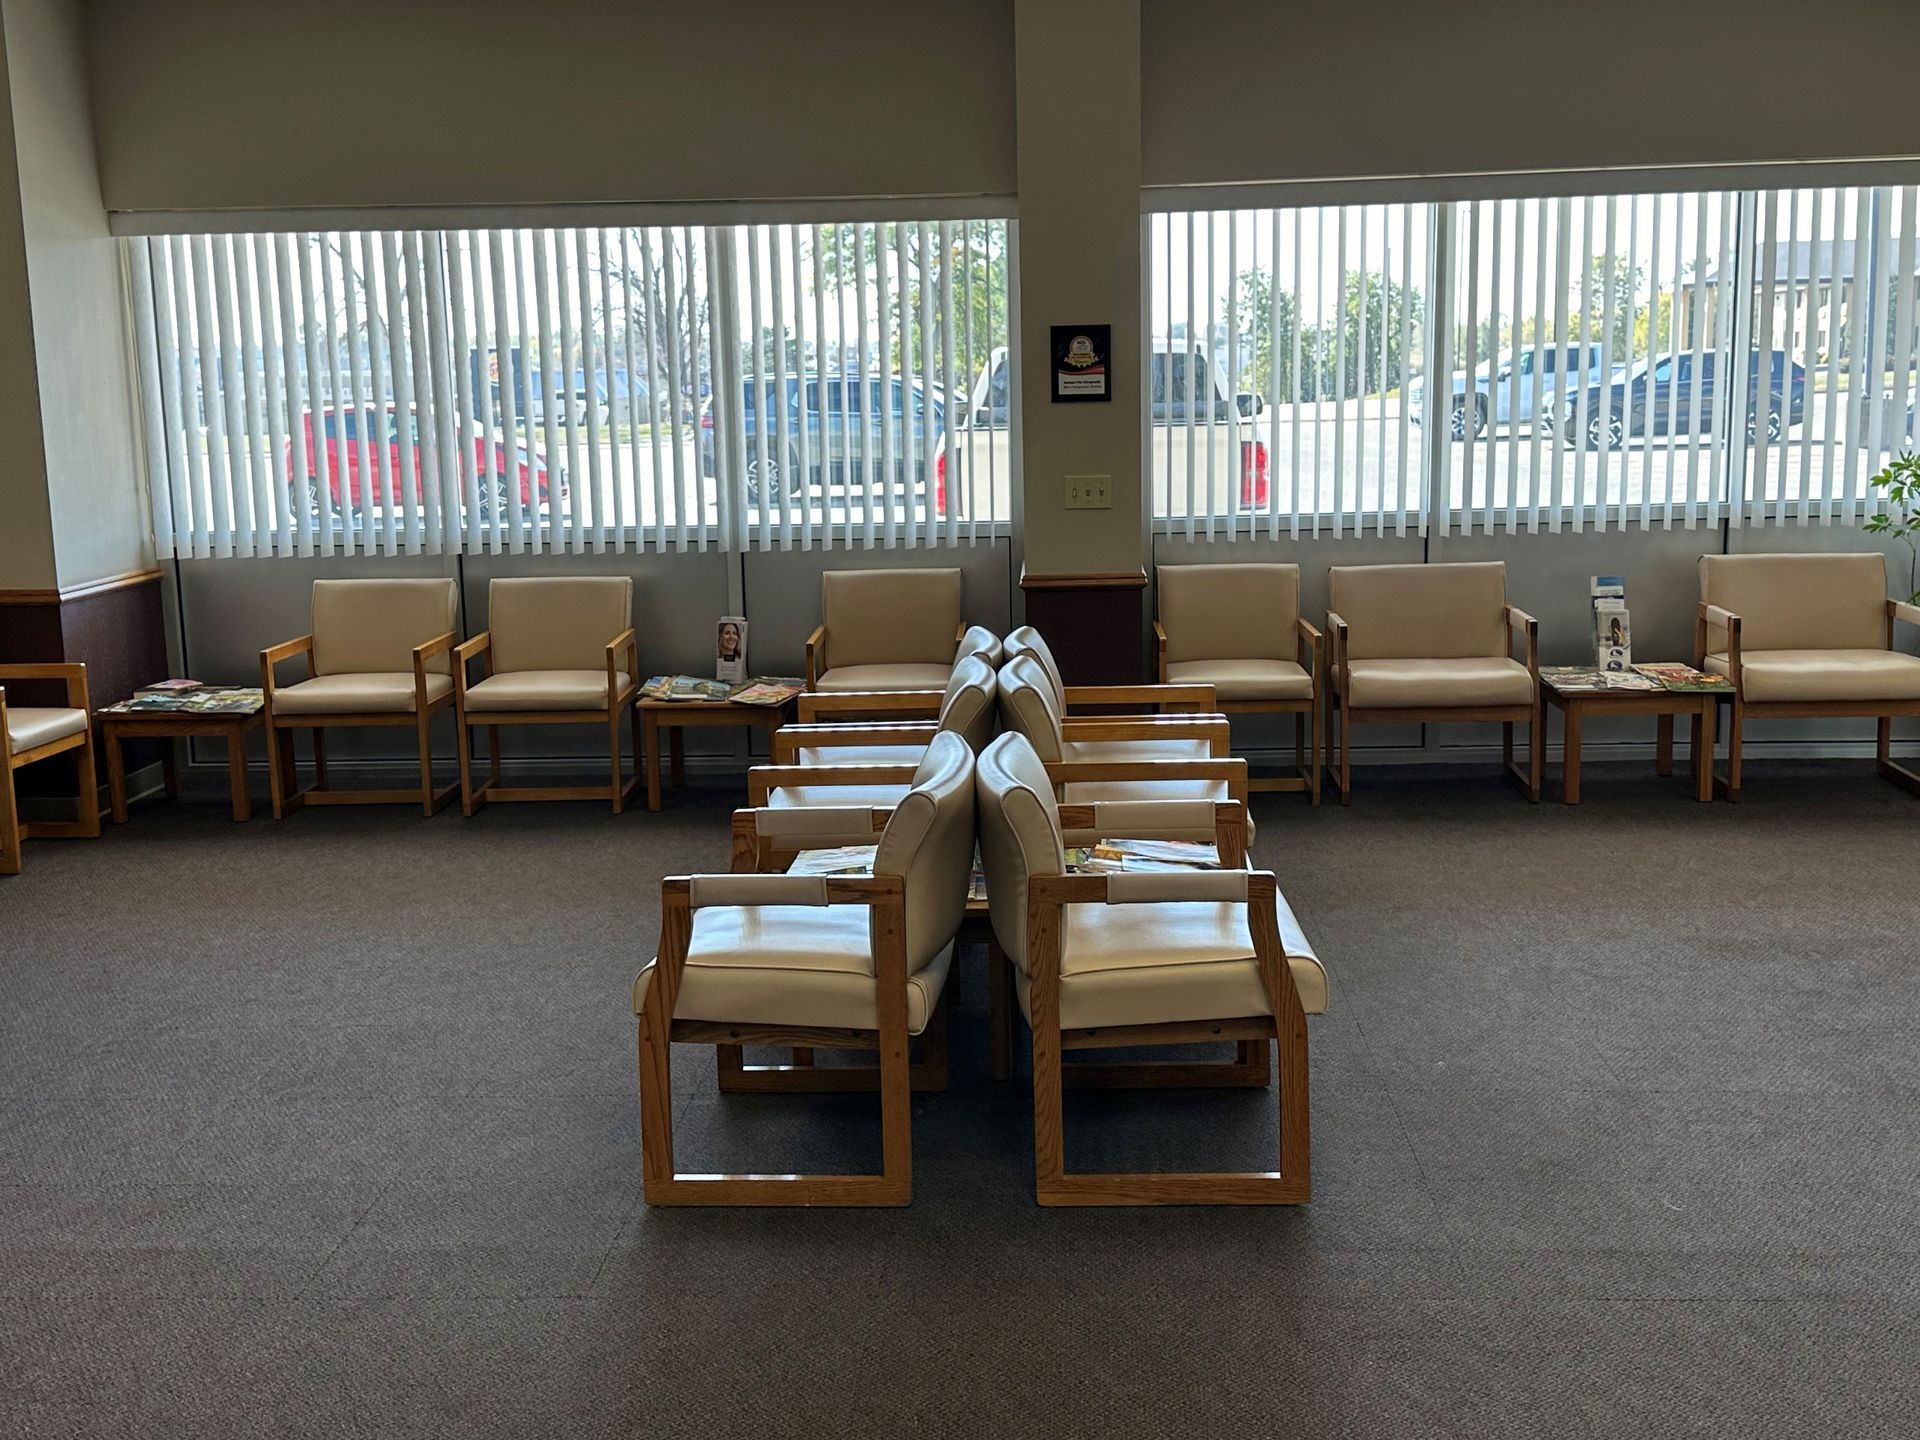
(572, 389)
(1654, 359)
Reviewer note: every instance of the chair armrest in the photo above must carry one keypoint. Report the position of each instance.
(1706, 615)
(439, 645)
(1337, 650)
(1162, 697)
(1152, 819)
(918, 704)
(622, 644)
(697, 892)
(1230, 772)
(72, 672)
(788, 739)
(762, 780)
(1308, 645)
(463, 654)
(816, 646)
(1530, 627)
(274, 654)
(1214, 729)
(1149, 887)
(1159, 652)
(1901, 610)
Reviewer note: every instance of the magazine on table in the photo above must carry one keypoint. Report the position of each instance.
(837, 860)
(200, 700)
(684, 687)
(773, 690)
(1684, 677)
(1589, 679)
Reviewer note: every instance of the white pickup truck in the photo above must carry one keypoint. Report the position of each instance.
(1216, 437)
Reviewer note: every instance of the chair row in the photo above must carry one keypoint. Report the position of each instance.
(1798, 636)
(868, 963)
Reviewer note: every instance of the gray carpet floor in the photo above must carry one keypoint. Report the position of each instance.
(328, 1128)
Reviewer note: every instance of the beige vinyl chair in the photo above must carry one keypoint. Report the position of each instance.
(1419, 643)
(32, 733)
(1116, 760)
(887, 642)
(1164, 699)
(379, 654)
(1142, 959)
(838, 963)
(858, 771)
(557, 650)
(1806, 636)
(1238, 628)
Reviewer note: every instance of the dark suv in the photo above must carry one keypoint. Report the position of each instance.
(842, 448)
(1661, 396)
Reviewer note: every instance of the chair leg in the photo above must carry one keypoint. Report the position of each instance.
(1735, 734)
(1313, 770)
(613, 750)
(1346, 756)
(656, 1102)
(9, 822)
(282, 776)
(1536, 751)
(89, 801)
(423, 723)
(493, 753)
(319, 759)
(463, 746)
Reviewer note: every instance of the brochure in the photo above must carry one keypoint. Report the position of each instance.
(1583, 679)
(683, 687)
(730, 650)
(174, 685)
(1684, 677)
(775, 690)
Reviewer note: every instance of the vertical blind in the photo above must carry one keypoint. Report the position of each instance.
(583, 389)
(1598, 361)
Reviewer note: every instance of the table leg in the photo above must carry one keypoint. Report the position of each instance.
(1663, 751)
(677, 748)
(650, 730)
(1703, 749)
(237, 775)
(170, 765)
(1570, 747)
(116, 778)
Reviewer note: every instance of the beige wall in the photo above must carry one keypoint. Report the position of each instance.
(1077, 80)
(1246, 90)
(284, 103)
(26, 522)
(92, 467)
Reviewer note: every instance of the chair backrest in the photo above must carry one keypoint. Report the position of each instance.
(1027, 708)
(1798, 602)
(1030, 642)
(557, 622)
(967, 709)
(890, 617)
(369, 627)
(1229, 612)
(1421, 612)
(928, 842)
(1019, 835)
(979, 640)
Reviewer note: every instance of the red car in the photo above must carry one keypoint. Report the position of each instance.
(344, 457)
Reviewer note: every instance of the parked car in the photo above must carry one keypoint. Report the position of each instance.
(1503, 389)
(1185, 390)
(841, 446)
(1659, 395)
(341, 434)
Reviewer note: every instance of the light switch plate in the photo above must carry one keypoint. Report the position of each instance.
(1089, 492)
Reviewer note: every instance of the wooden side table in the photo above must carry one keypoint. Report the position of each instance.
(117, 726)
(1575, 705)
(674, 716)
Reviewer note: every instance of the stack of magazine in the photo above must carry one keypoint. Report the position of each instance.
(768, 692)
(1582, 678)
(189, 697)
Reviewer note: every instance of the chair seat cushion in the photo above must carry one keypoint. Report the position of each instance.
(357, 695)
(843, 678)
(860, 754)
(31, 726)
(1411, 684)
(1785, 676)
(1244, 679)
(544, 690)
(1121, 752)
(790, 965)
(1152, 964)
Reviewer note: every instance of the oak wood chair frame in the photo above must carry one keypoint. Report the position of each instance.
(1529, 714)
(659, 1032)
(1054, 1184)
(282, 770)
(85, 824)
(1884, 711)
(619, 701)
(1309, 654)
